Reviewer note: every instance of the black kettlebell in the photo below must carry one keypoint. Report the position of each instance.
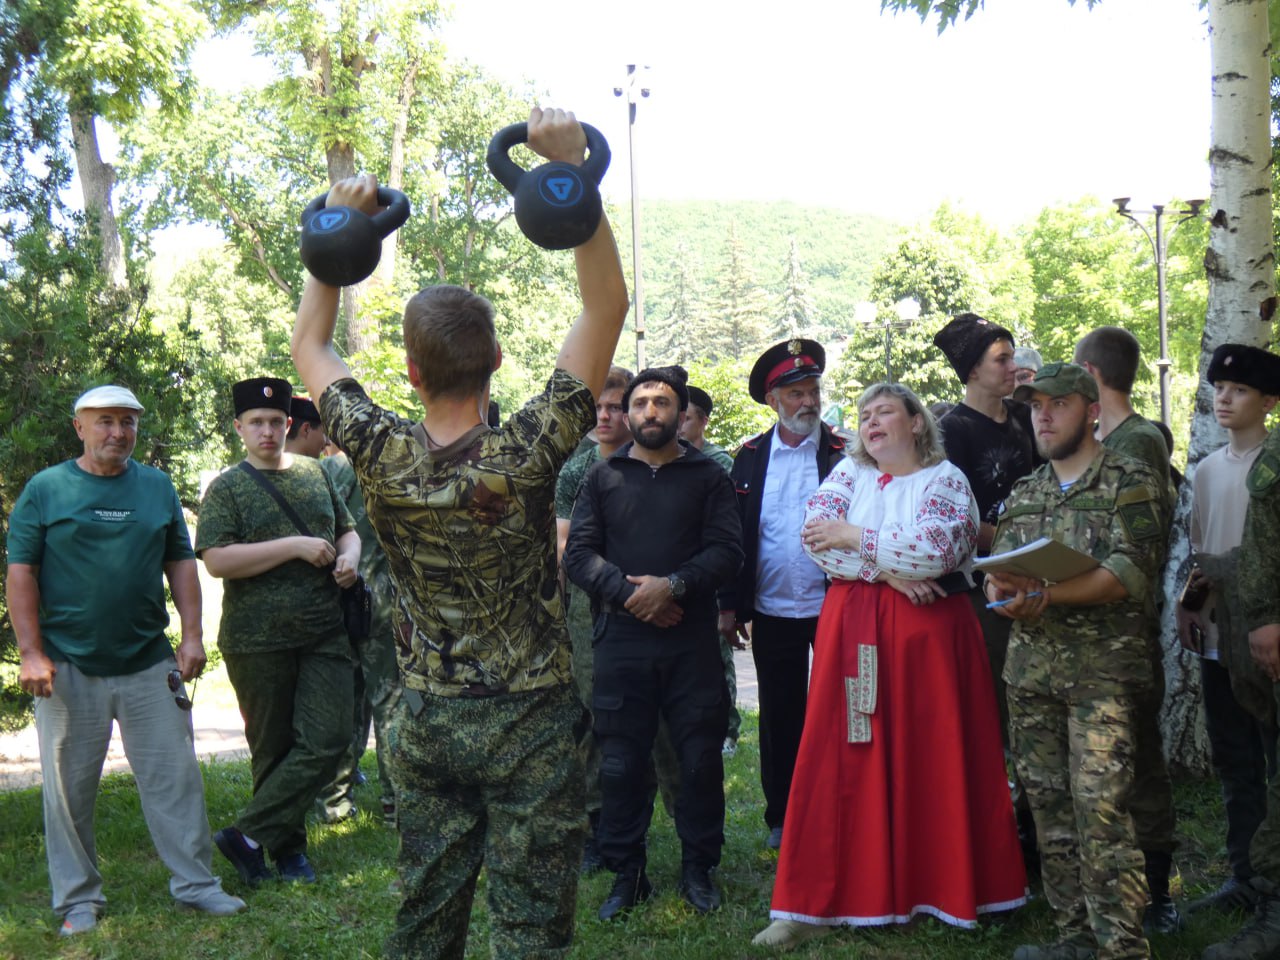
(557, 204)
(342, 245)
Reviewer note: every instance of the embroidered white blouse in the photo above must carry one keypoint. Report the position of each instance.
(915, 527)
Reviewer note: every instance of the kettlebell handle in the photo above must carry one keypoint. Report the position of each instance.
(509, 173)
(391, 218)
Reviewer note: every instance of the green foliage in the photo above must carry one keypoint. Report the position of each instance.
(736, 416)
(109, 57)
(685, 256)
(947, 11)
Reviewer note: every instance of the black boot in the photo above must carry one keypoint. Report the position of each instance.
(630, 887)
(1161, 915)
(591, 858)
(697, 889)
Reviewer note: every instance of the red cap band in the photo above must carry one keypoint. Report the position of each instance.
(785, 367)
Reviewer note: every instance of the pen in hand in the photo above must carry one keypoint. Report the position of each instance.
(1003, 603)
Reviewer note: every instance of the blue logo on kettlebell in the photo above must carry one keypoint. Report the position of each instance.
(330, 219)
(560, 188)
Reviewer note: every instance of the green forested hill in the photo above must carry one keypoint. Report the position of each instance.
(689, 259)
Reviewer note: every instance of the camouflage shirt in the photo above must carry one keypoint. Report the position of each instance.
(719, 454)
(1139, 439)
(469, 533)
(1260, 548)
(572, 476)
(373, 562)
(293, 604)
(1112, 512)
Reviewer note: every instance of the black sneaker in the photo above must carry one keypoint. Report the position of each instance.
(1161, 916)
(295, 868)
(697, 890)
(248, 861)
(629, 888)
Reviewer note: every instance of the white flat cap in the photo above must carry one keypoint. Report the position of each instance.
(109, 396)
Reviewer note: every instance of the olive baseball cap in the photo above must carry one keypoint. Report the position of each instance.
(1059, 379)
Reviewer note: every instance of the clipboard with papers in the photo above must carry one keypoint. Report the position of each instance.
(1044, 559)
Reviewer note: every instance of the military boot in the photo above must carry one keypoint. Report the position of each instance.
(1259, 939)
(1062, 950)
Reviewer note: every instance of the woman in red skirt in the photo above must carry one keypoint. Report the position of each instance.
(900, 802)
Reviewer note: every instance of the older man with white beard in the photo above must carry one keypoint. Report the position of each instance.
(779, 590)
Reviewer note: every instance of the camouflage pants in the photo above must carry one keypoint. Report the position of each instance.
(1151, 803)
(377, 690)
(492, 782)
(297, 708)
(1076, 762)
(1264, 851)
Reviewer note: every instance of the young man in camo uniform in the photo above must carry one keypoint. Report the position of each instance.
(483, 751)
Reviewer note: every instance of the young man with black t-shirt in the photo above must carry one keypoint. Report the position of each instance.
(989, 437)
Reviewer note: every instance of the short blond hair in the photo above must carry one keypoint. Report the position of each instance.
(928, 441)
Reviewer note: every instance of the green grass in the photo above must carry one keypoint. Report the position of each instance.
(347, 914)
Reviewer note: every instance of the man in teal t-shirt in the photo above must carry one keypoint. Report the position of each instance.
(91, 542)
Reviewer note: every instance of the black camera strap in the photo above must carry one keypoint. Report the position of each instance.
(274, 493)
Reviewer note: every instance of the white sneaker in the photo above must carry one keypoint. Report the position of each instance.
(786, 935)
(730, 747)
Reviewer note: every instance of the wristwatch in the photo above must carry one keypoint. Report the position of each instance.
(678, 587)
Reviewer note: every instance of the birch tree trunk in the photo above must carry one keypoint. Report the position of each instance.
(1240, 264)
(97, 178)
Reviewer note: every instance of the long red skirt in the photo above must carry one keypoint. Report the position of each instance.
(919, 820)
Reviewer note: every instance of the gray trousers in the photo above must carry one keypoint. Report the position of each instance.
(74, 730)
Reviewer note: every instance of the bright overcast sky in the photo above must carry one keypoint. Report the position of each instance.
(828, 102)
(1030, 103)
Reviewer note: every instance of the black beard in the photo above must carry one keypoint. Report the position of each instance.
(655, 441)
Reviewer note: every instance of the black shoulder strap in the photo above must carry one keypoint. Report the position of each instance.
(277, 496)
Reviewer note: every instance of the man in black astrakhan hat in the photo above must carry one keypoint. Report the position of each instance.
(990, 439)
(779, 590)
(282, 635)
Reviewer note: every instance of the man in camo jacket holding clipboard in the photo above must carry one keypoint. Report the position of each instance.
(1078, 655)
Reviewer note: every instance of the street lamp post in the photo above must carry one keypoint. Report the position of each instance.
(633, 87)
(1160, 248)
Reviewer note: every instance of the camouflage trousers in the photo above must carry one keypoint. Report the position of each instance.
(1151, 803)
(377, 690)
(296, 706)
(1076, 761)
(1264, 851)
(665, 765)
(492, 782)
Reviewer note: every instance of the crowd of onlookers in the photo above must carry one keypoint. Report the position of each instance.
(539, 627)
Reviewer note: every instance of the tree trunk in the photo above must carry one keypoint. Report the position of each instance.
(97, 179)
(361, 333)
(1240, 264)
(386, 274)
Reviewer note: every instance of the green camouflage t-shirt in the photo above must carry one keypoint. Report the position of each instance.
(1260, 547)
(294, 604)
(469, 532)
(1139, 438)
(719, 454)
(1112, 512)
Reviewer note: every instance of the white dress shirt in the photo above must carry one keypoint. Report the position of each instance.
(788, 582)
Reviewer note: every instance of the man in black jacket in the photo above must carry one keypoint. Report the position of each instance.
(654, 535)
(779, 590)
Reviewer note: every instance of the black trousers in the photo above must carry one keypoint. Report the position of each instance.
(642, 672)
(1244, 756)
(780, 647)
